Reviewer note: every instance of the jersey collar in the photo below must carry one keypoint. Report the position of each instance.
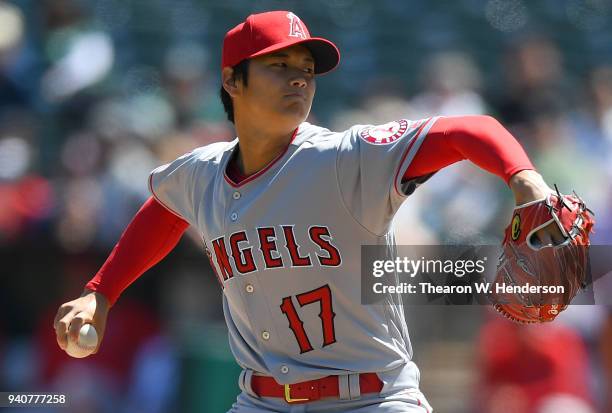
(259, 173)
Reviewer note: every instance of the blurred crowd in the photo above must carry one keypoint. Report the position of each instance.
(94, 94)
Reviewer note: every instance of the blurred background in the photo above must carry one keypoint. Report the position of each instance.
(96, 93)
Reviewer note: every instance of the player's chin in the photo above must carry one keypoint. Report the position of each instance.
(297, 110)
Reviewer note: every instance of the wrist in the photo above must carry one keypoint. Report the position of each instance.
(527, 186)
(99, 297)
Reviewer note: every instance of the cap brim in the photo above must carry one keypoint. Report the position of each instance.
(325, 53)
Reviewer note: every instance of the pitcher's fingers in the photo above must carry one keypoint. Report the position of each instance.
(551, 234)
(76, 324)
(546, 238)
(61, 331)
(61, 312)
(557, 236)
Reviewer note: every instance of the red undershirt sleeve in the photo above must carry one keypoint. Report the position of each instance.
(151, 235)
(480, 139)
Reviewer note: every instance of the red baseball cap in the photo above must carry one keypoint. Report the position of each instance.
(267, 32)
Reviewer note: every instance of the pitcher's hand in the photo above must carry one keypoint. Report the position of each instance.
(90, 308)
(529, 186)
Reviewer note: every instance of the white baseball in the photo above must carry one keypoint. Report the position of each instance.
(86, 343)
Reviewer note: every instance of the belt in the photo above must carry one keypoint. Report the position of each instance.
(307, 391)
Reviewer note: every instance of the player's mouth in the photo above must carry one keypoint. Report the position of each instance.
(296, 95)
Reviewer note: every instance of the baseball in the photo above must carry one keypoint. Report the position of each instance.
(86, 343)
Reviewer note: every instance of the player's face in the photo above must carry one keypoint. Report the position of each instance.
(281, 86)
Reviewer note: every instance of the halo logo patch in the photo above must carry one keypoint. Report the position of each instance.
(516, 227)
(385, 134)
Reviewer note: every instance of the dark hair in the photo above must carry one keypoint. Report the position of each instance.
(241, 72)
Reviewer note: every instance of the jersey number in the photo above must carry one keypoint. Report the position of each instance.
(324, 297)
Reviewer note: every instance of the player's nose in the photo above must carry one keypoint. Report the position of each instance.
(299, 82)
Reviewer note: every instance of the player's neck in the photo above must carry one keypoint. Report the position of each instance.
(258, 148)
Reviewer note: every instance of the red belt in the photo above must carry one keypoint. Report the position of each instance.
(311, 390)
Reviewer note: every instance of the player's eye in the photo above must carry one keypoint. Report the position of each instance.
(309, 70)
(279, 64)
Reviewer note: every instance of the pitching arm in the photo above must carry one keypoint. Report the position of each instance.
(480, 139)
(151, 235)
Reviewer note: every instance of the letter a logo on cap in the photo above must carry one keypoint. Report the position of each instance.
(295, 26)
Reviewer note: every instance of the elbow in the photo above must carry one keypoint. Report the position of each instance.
(489, 120)
(485, 126)
(472, 126)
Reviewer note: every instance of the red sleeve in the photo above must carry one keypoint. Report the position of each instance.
(152, 234)
(480, 139)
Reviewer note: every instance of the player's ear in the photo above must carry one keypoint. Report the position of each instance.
(229, 81)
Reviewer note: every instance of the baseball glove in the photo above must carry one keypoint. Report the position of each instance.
(527, 270)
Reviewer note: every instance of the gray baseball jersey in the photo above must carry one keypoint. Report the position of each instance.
(285, 245)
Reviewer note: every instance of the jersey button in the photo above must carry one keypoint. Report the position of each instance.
(265, 335)
(249, 288)
(234, 216)
(284, 369)
(236, 195)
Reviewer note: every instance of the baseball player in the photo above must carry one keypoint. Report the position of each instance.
(283, 211)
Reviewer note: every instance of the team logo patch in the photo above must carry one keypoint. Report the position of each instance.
(516, 227)
(295, 26)
(385, 134)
